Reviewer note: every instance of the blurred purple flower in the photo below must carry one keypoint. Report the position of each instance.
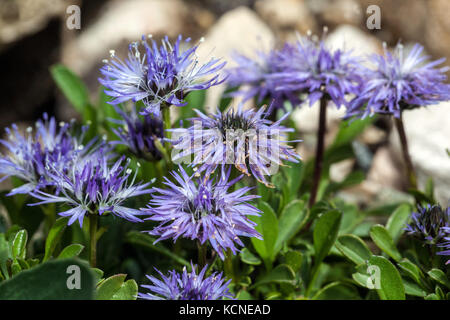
(32, 156)
(400, 82)
(446, 242)
(203, 209)
(187, 286)
(312, 69)
(243, 138)
(95, 188)
(428, 223)
(256, 77)
(162, 76)
(139, 133)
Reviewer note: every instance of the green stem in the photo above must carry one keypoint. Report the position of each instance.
(93, 224)
(314, 274)
(167, 124)
(318, 161)
(202, 249)
(404, 143)
(228, 265)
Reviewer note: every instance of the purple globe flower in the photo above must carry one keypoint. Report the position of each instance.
(312, 69)
(256, 76)
(429, 223)
(203, 209)
(446, 243)
(187, 286)
(95, 188)
(162, 76)
(243, 138)
(46, 147)
(400, 82)
(139, 133)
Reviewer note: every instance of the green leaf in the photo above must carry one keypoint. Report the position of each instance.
(5, 254)
(280, 274)
(54, 235)
(146, 241)
(411, 270)
(361, 278)
(293, 259)
(71, 251)
(71, 86)
(439, 276)
(267, 225)
(249, 258)
(383, 240)
(413, 289)
(337, 291)
(108, 287)
(50, 281)
(98, 274)
(391, 283)
(128, 291)
(115, 288)
(292, 219)
(294, 173)
(244, 295)
(397, 221)
(325, 234)
(19, 244)
(353, 248)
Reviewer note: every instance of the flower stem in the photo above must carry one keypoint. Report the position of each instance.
(228, 265)
(93, 224)
(319, 151)
(202, 249)
(167, 124)
(404, 143)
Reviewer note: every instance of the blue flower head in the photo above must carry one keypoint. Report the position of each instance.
(446, 242)
(187, 286)
(160, 76)
(47, 147)
(95, 187)
(255, 77)
(428, 223)
(311, 69)
(241, 138)
(138, 133)
(400, 81)
(203, 209)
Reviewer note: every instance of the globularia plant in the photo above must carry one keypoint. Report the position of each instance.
(241, 203)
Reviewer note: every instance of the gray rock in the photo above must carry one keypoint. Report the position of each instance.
(428, 132)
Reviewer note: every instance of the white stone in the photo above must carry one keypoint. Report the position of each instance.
(348, 37)
(238, 30)
(121, 22)
(428, 134)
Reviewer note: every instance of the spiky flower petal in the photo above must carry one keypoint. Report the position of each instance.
(243, 138)
(187, 286)
(34, 155)
(96, 188)
(428, 223)
(255, 79)
(400, 82)
(316, 71)
(139, 133)
(446, 242)
(203, 209)
(161, 76)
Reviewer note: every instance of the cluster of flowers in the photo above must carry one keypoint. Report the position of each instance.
(91, 179)
(431, 225)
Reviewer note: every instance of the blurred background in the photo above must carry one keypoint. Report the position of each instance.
(34, 35)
